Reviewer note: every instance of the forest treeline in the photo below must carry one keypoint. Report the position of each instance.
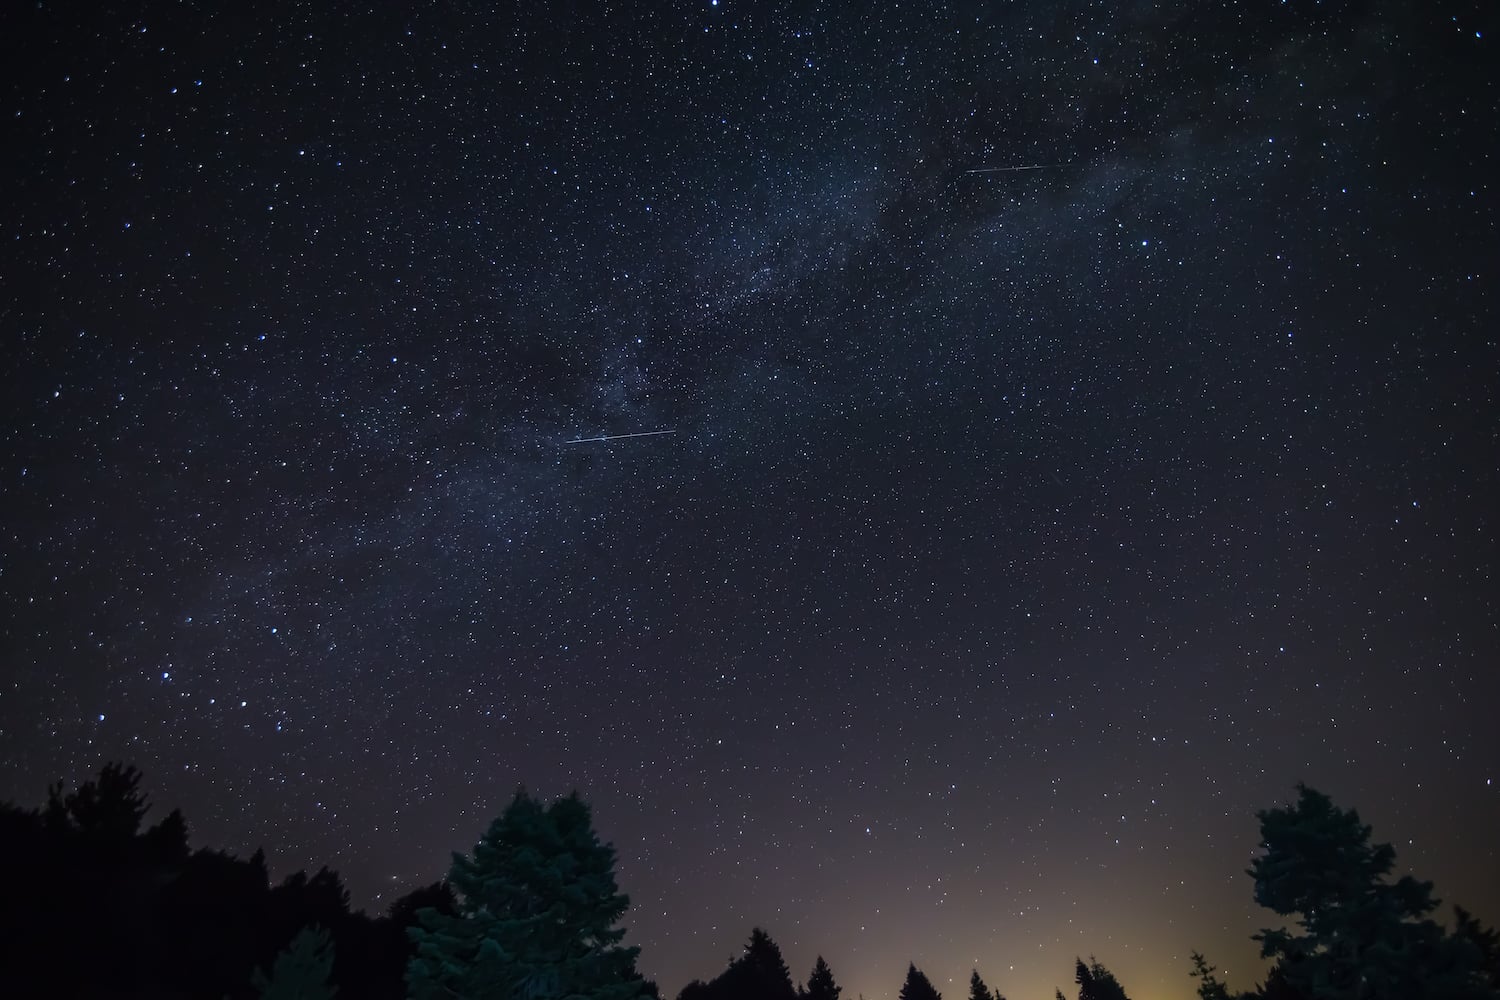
(98, 904)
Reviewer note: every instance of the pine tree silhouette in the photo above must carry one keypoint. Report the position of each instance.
(538, 906)
(918, 986)
(1095, 982)
(760, 973)
(1358, 935)
(820, 984)
(979, 991)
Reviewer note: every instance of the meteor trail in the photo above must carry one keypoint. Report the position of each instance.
(1006, 170)
(617, 437)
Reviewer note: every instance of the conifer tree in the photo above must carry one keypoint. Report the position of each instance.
(538, 906)
(820, 984)
(302, 970)
(918, 986)
(1483, 942)
(1095, 982)
(977, 989)
(107, 809)
(759, 974)
(1209, 986)
(1359, 936)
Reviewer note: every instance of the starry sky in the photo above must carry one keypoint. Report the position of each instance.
(1083, 427)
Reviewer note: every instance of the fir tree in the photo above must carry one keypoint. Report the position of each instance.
(1359, 936)
(918, 986)
(759, 974)
(820, 984)
(302, 970)
(762, 959)
(1095, 982)
(978, 990)
(537, 914)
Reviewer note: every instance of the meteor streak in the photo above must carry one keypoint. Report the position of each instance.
(1006, 170)
(617, 437)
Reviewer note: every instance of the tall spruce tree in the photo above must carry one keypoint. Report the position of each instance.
(918, 986)
(1359, 936)
(538, 906)
(820, 984)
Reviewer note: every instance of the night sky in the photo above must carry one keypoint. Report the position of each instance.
(1083, 427)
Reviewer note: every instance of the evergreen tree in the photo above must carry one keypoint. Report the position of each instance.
(978, 990)
(918, 986)
(820, 984)
(1359, 936)
(537, 913)
(1209, 986)
(85, 876)
(1095, 982)
(1484, 943)
(302, 970)
(108, 809)
(759, 974)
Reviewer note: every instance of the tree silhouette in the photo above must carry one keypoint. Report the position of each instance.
(1483, 942)
(538, 906)
(760, 973)
(1209, 986)
(108, 809)
(697, 990)
(978, 990)
(820, 984)
(1359, 936)
(302, 970)
(918, 986)
(1095, 982)
(83, 876)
